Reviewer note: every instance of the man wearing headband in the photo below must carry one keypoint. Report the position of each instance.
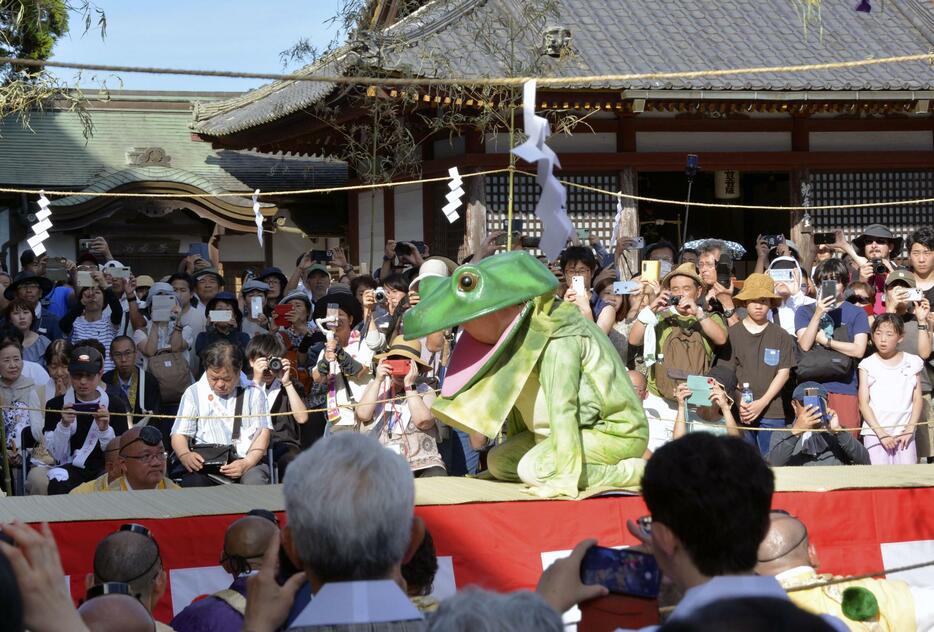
(790, 286)
(131, 556)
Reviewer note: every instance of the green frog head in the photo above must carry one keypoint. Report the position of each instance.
(477, 290)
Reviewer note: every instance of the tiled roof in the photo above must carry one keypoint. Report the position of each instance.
(633, 36)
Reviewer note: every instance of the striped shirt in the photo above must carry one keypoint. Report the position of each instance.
(101, 330)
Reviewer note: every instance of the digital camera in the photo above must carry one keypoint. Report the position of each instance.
(275, 364)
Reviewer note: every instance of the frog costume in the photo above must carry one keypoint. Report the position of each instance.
(573, 420)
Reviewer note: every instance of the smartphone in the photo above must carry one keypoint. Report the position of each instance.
(515, 227)
(724, 269)
(651, 270)
(577, 284)
(664, 268)
(201, 249)
(501, 240)
(399, 368)
(82, 407)
(84, 279)
(281, 311)
(812, 398)
(700, 390)
(402, 248)
(583, 234)
(321, 256)
(220, 315)
(121, 272)
(161, 308)
(774, 240)
(256, 306)
(828, 288)
(782, 275)
(823, 239)
(85, 244)
(332, 314)
(626, 287)
(531, 242)
(638, 243)
(915, 295)
(622, 571)
(55, 271)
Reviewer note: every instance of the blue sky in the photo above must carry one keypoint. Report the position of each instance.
(205, 34)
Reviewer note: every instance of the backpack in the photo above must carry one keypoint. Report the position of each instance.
(683, 351)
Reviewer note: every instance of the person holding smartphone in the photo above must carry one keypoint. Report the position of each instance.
(404, 424)
(578, 265)
(818, 324)
(224, 320)
(255, 321)
(79, 436)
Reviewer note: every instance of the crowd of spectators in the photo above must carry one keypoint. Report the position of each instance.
(111, 380)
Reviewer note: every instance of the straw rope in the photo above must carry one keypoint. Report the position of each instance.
(477, 81)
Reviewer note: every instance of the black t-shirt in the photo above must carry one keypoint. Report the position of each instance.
(118, 421)
(284, 427)
(757, 358)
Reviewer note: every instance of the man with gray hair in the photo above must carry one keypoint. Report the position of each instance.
(350, 504)
(475, 610)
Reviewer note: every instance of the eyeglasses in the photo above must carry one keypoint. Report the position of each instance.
(581, 270)
(154, 457)
(858, 300)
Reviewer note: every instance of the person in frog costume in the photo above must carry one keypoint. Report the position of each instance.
(526, 360)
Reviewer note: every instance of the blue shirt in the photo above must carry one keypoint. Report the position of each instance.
(856, 322)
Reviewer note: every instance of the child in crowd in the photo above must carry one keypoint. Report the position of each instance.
(890, 395)
(762, 354)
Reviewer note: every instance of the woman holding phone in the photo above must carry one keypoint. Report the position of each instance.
(224, 320)
(400, 405)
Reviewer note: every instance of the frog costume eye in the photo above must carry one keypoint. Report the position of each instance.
(468, 281)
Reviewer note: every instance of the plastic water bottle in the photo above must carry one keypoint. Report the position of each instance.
(746, 396)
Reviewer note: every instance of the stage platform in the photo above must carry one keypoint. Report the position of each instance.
(860, 518)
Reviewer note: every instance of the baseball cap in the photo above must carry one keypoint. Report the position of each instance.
(85, 360)
(798, 394)
(900, 274)
(254, 286)
(316, 267)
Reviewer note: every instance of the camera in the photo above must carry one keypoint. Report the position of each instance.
(674, 300)
(878, 267)
(405, 248)
(380, 295)
(274, 364)
(773, 240)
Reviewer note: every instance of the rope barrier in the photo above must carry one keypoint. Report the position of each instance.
(261, 194)
(475, 81)
(851, 578)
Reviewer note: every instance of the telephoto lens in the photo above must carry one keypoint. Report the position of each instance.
(275, 364)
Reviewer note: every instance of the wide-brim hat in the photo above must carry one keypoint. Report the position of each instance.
(878, 230)
(27, 277)
(434, 267)
(144, 280)
(758, 287)
(685, 269)
(410, 349)
(297, 295)
(340, 295)
(274, 272)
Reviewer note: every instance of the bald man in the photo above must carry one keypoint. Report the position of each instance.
(245, 542)
(787, 554)
(111, 471)
(116, 613)
(132, 558)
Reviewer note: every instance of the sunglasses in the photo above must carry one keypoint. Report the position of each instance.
(858, 300)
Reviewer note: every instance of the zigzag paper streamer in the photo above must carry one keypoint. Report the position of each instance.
(258, 218)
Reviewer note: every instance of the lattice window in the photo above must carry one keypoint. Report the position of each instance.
(587, 209)
(880, 186)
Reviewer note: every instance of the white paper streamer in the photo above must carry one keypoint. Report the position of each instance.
(42, 227)
(258, 218)
(454, 196)
(556, 226)
(616, 224)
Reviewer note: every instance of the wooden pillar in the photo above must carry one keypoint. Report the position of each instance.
(475, 219)
(353, 227)
(629, 223)
(389, 212)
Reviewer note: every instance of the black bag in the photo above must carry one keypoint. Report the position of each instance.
(215, 455)
(821, 364)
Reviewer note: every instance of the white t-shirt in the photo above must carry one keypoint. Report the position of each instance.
(41, 378)
(890, 391)
(364, 355)
(198, 399)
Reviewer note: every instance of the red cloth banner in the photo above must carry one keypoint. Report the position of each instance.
(501, 546)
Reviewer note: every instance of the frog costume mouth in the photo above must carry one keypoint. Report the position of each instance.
(474, 291)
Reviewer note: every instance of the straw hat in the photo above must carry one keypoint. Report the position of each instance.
(758, 287)
(410, 349)
(685, 269)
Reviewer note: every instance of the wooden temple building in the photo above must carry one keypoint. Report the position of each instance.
(842, 136)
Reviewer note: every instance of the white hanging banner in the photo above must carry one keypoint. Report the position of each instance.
(617, 221)
(42, 226)
(556, 226)
(258, 218)
(454, 196)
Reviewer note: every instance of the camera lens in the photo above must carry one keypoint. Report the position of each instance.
(380, 295)
(674, 300)
(275, 364)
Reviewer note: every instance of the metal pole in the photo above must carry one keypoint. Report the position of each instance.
(687, 211)
(512, 175)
